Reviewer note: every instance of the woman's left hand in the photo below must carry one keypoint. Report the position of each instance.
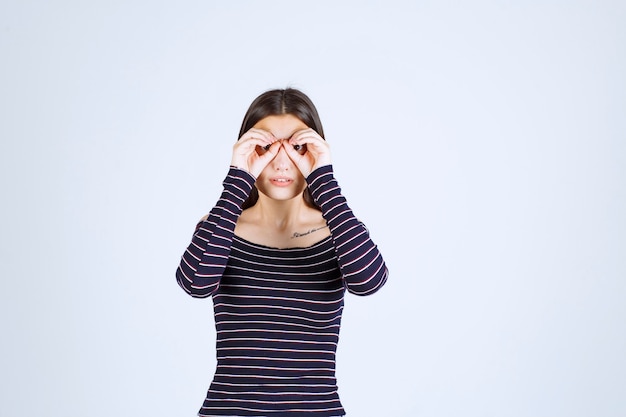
(313, 151)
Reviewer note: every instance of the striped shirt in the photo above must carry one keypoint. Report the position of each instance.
(278, 311)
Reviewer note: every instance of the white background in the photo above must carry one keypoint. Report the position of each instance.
(483, 143)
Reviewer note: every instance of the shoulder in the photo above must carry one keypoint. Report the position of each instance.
(247, 225)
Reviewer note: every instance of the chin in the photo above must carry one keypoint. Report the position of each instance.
(282, 195)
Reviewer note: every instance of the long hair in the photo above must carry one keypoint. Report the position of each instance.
(275, 103)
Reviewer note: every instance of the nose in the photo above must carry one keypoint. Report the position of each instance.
(281, 161)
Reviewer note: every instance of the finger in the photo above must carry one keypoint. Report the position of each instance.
(265, 147)
(267, 152)
(300, 148)
(294, 151)
(317, 151)
(258, 136)
(301, 134)
(309, 145)
(307, 136)
(252, 141)
(300, 157)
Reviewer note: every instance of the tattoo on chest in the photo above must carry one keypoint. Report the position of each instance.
(296, 234)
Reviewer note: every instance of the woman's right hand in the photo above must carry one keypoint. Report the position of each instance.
(248, 157)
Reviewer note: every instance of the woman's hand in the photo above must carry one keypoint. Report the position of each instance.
(308, 151)
(245, 153)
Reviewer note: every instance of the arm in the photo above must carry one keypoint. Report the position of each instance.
(361, 264)
(203, 263)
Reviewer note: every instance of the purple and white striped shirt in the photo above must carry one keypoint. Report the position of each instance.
(278, 311)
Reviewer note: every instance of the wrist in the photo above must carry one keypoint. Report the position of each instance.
(319, 171)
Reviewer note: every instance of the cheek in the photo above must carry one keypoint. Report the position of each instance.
(301, 183)
(266, 171)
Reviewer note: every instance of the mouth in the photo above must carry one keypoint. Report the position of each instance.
(281, 181)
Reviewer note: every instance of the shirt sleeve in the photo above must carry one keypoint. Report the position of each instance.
(361, 263)
(204, 261)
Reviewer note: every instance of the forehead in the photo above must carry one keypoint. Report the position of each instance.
(281, 126)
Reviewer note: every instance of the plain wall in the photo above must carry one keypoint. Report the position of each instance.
(483, 143)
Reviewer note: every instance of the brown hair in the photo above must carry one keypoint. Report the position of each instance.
(274, 103)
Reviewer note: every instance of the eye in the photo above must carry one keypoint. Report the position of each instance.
(262, 149)
(301, 149)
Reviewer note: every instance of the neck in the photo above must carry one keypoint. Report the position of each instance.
(281, 214)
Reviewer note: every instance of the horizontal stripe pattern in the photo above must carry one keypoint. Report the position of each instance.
(277, 317)
(362, 265)
(203, 263)
(278, 311)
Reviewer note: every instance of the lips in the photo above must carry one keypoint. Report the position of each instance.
(281, 181)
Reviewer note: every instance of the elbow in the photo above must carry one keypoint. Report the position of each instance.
(194, 291)
(369, 286)
(200, 294)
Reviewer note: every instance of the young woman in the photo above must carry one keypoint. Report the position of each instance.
(277, 253)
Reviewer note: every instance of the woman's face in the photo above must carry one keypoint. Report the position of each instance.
(281, 179)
